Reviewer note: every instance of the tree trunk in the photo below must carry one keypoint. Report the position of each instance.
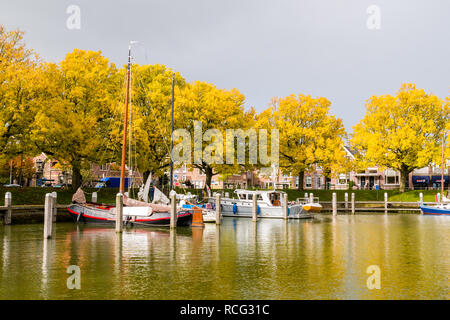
(404, 175)
(301, 178)
(76, 175)
(209, 174)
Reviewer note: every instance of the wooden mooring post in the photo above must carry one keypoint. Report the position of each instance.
(285, 206)
(334, 204)
(218, 209)
(385, 202)
(55, 209)
(8, 201)
(173, 210)
(421, 201)
(254, 209)
(48, 216)
(353, 203)
(346, 201)
(119, 213)
(311, 197)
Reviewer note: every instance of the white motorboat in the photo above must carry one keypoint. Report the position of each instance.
(269, 205)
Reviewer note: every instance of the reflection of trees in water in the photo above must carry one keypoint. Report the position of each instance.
(269, 259)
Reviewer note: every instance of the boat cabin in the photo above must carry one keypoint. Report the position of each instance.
(270, 198)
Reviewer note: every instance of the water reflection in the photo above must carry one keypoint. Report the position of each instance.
(325, 258)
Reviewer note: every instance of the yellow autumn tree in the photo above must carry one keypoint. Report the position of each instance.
(74, 111)
(150, 109)
(400, 131)
(204, 108)
(18, 79)
(309, 137)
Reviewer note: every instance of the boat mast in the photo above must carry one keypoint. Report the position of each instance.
(442, 168)
(171, 135)
(124, 142)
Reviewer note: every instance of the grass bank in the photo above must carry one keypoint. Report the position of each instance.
(30, 195)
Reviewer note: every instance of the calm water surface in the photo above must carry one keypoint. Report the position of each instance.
(325, 258)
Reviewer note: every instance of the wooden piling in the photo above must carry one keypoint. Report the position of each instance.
(94, 197)
(8, 201)
(353, 203)
(173, 210)
(48, 216)
(254, 209)
(54, 197)
(218, 209)
(334, 204)
(119, 212)
(346, 201)
(285, 206)
(306, 196)
(421, 201)
(385, 202)
(311, 197)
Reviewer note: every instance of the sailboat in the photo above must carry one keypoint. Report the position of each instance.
(442, 208)
(135, 212)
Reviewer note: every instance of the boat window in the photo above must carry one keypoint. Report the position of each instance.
(250, 197)
(259, 197)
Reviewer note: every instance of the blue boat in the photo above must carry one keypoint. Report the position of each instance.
(439, 209)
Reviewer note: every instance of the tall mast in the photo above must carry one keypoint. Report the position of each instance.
(124, 143)
(442, 168)
(171, 134)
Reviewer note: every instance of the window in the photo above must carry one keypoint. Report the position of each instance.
(392, 180)
(308, 182)
(250, 197)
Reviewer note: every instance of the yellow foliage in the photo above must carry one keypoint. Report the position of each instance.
(18, 78)
(401, 132)
(309, 135)
(74, 108)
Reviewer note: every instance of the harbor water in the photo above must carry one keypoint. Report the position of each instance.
(324, 258)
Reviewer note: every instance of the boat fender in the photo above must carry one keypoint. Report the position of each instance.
(258, 209)
(289, 211)
(234, 208)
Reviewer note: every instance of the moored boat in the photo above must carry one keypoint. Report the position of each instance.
(269, 205)
(98, 213)
(439, 209)
(312, 207)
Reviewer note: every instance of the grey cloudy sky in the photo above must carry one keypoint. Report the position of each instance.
(263, 48)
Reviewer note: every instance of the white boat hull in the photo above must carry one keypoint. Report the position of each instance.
(244, 209)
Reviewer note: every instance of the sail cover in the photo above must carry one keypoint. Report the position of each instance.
(136, 203)
(79, 197)
(159, 197)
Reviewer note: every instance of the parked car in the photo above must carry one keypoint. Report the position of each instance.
(12, 185)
